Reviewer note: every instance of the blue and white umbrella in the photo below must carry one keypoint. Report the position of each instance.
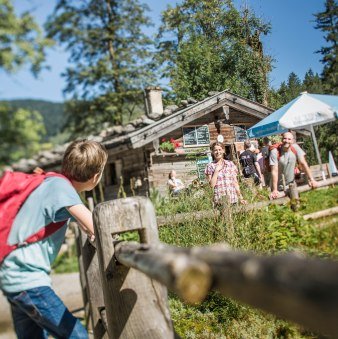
(304, 112)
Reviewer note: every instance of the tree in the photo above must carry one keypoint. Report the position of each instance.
(327, 22)
(21, 40)
(21, 43)
(20, 133)
(110, 58)
(207, 45)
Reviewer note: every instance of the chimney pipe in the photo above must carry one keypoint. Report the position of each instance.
(154, 100)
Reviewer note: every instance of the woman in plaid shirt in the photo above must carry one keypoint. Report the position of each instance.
(222, 176)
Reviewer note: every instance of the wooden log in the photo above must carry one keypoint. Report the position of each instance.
(189, 277)
(136, 306)
(321, 214)
(323, 183)
(303, 290)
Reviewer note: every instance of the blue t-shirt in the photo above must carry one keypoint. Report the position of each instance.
(29, 266)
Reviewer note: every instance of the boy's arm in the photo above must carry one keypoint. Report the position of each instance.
(84, 217)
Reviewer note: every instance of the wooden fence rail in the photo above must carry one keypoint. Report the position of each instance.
(127, 290)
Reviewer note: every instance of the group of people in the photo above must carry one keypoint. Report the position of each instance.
(273, 166)
(24, 273)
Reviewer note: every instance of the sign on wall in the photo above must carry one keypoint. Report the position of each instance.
(196, 136)
(201, 164)
(240, 134)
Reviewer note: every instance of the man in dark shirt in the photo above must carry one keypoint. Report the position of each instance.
(249, 163)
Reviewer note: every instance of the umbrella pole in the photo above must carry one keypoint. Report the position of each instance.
(317, 151)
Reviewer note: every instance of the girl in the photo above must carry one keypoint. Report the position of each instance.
(222, 176)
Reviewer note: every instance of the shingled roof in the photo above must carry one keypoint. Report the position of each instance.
(144, 130)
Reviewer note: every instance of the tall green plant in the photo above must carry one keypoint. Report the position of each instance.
(109, 53)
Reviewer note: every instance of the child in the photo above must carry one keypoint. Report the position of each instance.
(222, 176)
(175, 185)
(24, 274)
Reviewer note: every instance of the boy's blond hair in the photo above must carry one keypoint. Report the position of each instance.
(83, 159)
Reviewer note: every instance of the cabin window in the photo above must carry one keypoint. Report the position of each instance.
(194, 136)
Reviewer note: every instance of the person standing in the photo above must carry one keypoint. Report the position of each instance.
(249, 163)
(222, 177)
(37, 311)
(283, 160)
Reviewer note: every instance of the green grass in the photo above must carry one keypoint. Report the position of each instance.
(271, 229)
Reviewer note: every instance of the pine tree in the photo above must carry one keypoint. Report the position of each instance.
(208, 45)
(327, 22)
(109, 55)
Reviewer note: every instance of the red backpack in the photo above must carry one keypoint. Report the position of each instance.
(15, 187)
(279, 147)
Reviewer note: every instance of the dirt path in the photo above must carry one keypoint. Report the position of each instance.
(67, 287)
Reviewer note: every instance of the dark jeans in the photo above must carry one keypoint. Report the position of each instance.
(38, 312)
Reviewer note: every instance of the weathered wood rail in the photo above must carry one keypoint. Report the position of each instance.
(199, 215)
(125, 283)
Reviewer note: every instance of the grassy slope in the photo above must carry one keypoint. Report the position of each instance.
(269, 230)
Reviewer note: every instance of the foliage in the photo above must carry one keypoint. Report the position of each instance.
(209, 45)
(20, 133)
(21, 40)
(110, 58)
(53, 113)
(169, 145)
(327, 22)
(66, 262)
(271, 229)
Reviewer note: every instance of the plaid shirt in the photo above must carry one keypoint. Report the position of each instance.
(226, 181)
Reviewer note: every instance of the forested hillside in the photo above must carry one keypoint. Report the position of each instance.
(53, 113)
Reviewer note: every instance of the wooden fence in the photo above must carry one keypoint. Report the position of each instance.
(125, 283)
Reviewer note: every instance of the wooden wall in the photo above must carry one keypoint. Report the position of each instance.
(153, 167)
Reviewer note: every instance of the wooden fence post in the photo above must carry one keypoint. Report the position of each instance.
(91, 282)
(294, 197)
(94, 286)
(136, 306)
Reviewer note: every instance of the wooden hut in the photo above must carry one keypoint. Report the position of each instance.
(136, 151)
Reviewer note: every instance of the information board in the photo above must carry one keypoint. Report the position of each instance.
(240, 133)
(203, 137)
(196, 135)
(189, 136)
(201, 164)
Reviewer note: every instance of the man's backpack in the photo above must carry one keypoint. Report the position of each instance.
(247, 170)
(279, 147)
(15, 187)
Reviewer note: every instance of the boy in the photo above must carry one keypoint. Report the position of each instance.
(24, 274)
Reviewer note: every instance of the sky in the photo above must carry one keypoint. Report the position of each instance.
(292, 42)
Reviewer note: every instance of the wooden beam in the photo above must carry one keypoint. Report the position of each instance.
(321, 214)
(189, 277)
